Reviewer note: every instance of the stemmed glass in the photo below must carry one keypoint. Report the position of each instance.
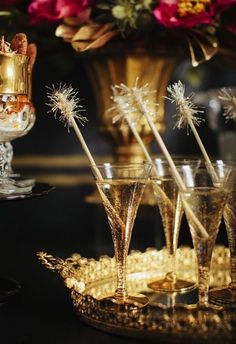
(167, 195)
(121, 187)
(17, 116)
(227, 294)
(207, 199)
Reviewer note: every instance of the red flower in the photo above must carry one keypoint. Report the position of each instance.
(52, 10)
(186, 14)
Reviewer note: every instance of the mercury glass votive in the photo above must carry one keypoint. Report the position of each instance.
(17, 117)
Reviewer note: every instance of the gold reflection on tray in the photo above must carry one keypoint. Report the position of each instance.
(91, 280)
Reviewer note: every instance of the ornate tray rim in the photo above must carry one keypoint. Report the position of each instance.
(179, 323)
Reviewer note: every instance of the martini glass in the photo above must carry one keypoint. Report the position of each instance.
(167, 195)
(207, 201)
(121, 188)
(227, 294)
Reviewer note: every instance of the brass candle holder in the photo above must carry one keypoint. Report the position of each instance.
(14, 74)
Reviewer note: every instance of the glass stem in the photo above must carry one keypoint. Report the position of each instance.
(6, 153)
(233, 271)
(172, 246)
(171, 274)
(171, 300)
(178, 219)
(203, 285)
(121, 246)
(231, 234)
(121, 280)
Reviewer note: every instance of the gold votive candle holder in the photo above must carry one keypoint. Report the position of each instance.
(14, 78)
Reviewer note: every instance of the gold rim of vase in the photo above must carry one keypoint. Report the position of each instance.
(14, 76)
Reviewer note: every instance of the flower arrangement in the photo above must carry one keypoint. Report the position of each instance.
(207, 26)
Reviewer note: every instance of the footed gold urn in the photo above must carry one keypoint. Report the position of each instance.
(120, 63)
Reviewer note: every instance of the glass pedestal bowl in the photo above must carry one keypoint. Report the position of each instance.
(17, 117)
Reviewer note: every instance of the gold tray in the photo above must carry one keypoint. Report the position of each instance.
(168, 317)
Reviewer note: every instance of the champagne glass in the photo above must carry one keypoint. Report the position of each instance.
(166, 192)
(227, 294)
(207, 200)
(121, 187)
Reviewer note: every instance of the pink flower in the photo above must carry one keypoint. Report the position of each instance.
(53, 10)
(185, 14)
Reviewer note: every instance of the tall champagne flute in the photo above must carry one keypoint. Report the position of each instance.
(227, 294)
(207, 200)
(166, 193)
(121, 187)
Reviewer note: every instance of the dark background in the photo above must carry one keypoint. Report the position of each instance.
(65, 66)
(62, 222)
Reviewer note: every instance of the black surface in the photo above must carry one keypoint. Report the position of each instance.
(60, 223)
(39, 189)
(9, 288)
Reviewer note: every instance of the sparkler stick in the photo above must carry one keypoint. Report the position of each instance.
(187, 112)
(229, 100)
(136, 97)
(187, 117)
(123, 109)
(65, 101)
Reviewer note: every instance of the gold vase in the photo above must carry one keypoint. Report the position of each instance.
(115, 64)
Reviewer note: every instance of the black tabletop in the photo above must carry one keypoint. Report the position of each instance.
(60, 223)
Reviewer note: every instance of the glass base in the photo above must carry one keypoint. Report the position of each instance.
(17, 185)
(170, 285)
(23, 183)
(134, 300)
(8, 289)
(223, 295)
(204, 307)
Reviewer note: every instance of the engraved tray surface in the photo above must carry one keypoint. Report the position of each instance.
(168, 317)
